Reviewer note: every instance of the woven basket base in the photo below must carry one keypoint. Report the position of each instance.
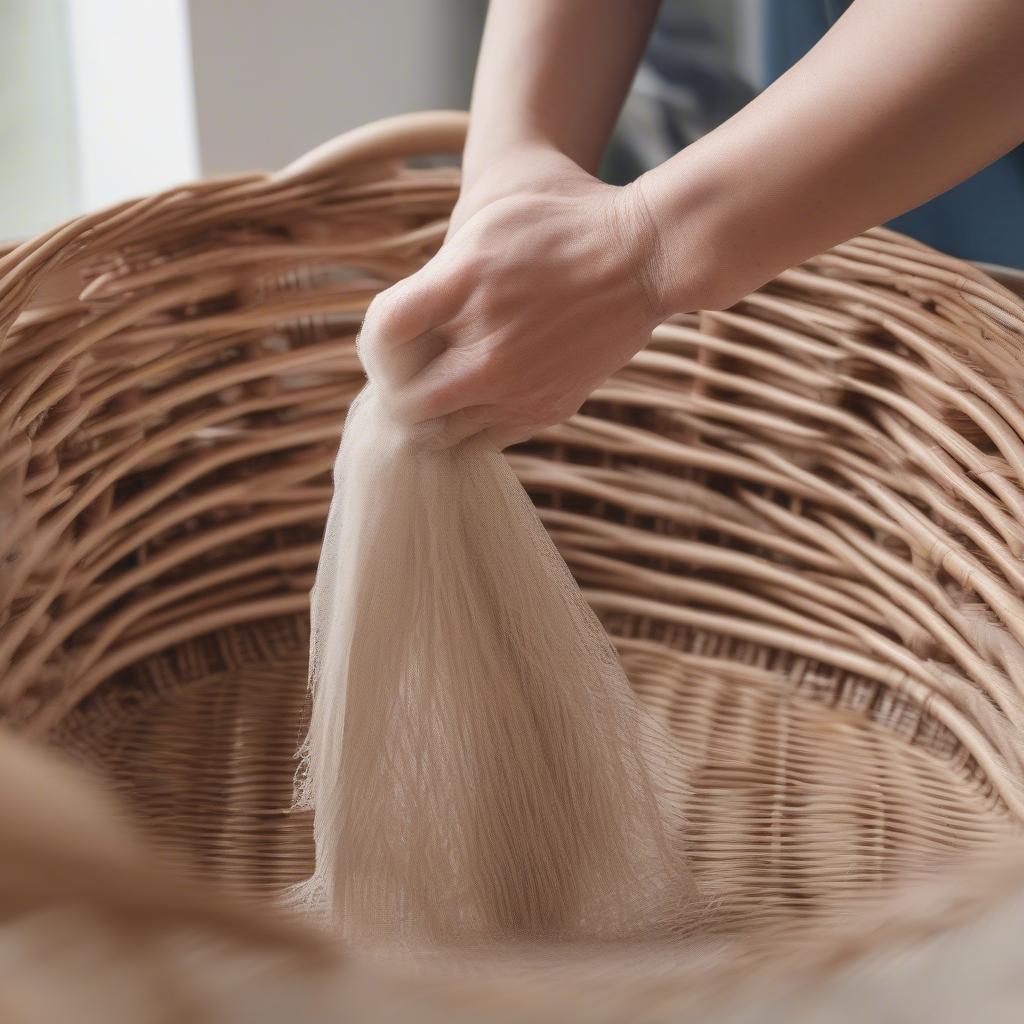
(201, 741)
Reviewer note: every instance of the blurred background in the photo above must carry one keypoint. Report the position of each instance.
(105, 99)
(101, 100)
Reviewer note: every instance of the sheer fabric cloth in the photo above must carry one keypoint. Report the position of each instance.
(479, 767)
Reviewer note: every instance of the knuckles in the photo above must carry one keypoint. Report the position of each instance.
(386, 313)
(470, 266)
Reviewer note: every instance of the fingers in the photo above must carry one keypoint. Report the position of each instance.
(439, 389)
(448, 431)
(475, 421)
(402, 364)
(401, 332)
(505, 435)
(444, 403)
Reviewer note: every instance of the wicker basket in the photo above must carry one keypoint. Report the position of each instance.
(801, 520)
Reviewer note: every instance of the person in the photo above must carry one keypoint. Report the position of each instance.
(549, 280)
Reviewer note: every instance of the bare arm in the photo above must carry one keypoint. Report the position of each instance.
(901, 100)
(553, 73)
(550, 82)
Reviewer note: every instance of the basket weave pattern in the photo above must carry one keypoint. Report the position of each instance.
(801, 521)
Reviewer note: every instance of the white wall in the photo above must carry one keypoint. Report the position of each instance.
(273, 78)
(39, 170)
(132, 81)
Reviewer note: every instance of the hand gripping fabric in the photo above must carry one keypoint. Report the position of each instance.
(479, 767)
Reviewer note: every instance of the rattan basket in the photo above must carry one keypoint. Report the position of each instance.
(801, 520)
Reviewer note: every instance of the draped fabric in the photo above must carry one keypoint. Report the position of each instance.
(479, 767)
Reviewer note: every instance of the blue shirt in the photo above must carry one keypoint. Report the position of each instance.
(980, 219)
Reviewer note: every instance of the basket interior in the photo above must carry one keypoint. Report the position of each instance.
(810, 795)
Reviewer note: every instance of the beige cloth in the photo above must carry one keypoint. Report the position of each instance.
(480, 769)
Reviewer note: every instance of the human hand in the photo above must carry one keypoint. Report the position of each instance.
(548, 283)
(524, 168)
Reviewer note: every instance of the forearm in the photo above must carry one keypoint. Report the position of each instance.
(553, 72)
(901, 100)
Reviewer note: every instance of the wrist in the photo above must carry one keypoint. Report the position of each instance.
(641, 243)
(698, 254)
(495, 158)
(529, 165)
